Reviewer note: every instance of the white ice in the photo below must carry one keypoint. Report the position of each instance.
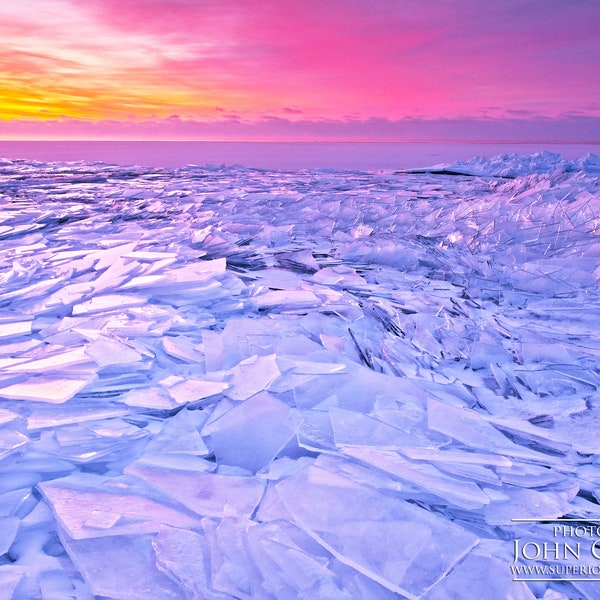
(233, 383)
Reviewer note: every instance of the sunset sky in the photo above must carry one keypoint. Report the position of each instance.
(300, 69)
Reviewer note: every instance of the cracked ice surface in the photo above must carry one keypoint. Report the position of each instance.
(233, 383)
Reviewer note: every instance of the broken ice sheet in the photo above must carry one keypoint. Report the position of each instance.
(51, 417)
(276, 279)
(204, 493)
(401, 546)
(9, 329)
(175, 461)
(112, 351)
(480, 576)
(290, 563)
(233, 569)
(512, 503)
(11, 348)
(527, 475)
(242, 337)
(179, 434)
(57, 360)
(238, 558)
(425, 270)
(11, 442)
(315, 432)
(6, 416)
(470, 428)
(108, 302)
(197, 272)
(108, 256)
(185, 557)
(182, 348)
(252, 433)
(356, 429)
(90, 441)
(287, 299)
(251, 376)
(309, 367)
(91, 506)
(156, 398)
(122, 567)
(148, 255)
(534, 433)
(191, 391)
(133, 323)
(53, 389)
(457, 491)
(454, 456)
(340, 276)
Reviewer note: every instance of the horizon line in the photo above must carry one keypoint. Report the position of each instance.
(304, 141)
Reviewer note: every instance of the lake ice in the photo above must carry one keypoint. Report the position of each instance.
(221, 382)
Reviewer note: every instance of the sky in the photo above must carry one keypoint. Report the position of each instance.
(363, 70)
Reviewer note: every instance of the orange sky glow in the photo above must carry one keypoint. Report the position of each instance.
(364, 69)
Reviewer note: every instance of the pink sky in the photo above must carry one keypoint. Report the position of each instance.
(300, 69)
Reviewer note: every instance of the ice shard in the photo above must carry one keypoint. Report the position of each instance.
(251, 434)
(404, 548)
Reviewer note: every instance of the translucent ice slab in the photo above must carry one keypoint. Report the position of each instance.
(184, 391)
(108, 302)
(204, 493)
(404, 548)
(91, 506)
(185, 557)
(56, 361)
(252, 375)
(465, 494)
(14, 329)
(467, 582)
(12, 442)
(122, 567)
(251, 434)
(53, 389)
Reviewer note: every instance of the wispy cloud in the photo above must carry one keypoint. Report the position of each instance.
(300, 60)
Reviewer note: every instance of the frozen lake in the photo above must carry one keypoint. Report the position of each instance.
(235, 383)
(273, 155)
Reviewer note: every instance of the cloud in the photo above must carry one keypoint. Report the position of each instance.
(393, 59)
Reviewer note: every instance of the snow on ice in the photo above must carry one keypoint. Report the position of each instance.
(234, 383)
